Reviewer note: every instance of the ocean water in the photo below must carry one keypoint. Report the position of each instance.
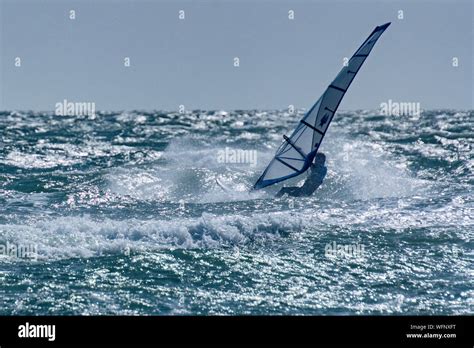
(122, 215)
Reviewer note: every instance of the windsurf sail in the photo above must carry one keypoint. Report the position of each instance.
(297, 152)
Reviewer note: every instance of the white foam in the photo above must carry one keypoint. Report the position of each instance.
(365, 171)
(187, 172)
(27, 160)
(67, 237)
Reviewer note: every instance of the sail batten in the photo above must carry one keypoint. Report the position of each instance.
(295, 155)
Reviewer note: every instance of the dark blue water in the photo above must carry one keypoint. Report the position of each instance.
(124, 216)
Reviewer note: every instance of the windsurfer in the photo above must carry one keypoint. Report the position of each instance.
(315, 178)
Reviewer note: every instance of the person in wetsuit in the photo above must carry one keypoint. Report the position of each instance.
(315, 178)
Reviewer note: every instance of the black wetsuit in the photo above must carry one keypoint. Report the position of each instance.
(313, 181)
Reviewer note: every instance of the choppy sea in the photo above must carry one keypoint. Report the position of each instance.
(119, 213)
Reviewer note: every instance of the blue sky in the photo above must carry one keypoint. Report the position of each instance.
(190, 61)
